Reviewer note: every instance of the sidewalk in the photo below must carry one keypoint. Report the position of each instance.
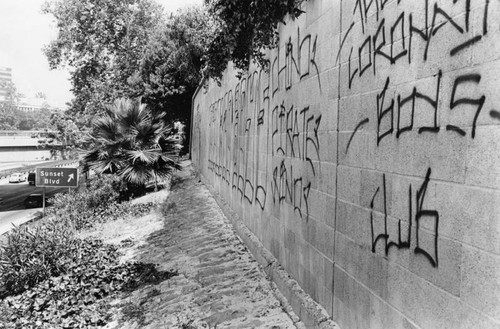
(219, 284)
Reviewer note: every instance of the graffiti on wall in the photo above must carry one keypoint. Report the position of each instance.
(254, 120)
(415, 201)
(401, 41)
(264, 144)
(396, 42)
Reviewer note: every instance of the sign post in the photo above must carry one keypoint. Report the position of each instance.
(56, 177)
(43, 202)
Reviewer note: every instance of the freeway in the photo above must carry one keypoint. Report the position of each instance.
(12, 196)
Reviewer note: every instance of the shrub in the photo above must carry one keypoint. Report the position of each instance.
(31, 256)
(50, 278)
(167, 207)
(68, 281)
(96, 204)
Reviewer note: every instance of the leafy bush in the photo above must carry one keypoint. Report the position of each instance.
(30, 257)
(97, 204)
(64, 281)
(50, 278)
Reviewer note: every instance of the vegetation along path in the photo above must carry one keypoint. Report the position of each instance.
(219, 284)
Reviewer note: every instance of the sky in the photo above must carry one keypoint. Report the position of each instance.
(24, 30)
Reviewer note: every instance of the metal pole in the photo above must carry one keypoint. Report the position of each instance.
(43, 200)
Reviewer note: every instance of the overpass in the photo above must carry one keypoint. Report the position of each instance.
(22, 147)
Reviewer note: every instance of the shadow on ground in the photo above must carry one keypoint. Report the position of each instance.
(218, 284)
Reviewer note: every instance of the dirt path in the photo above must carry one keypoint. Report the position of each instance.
(219, 284)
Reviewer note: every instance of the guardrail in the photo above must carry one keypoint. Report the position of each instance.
(26, 169)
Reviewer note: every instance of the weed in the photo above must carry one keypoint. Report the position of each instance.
(168, 207)
(131, 311)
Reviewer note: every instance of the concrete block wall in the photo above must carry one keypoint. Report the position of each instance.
(367, 158)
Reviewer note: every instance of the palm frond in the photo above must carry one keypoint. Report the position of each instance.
(133, 142)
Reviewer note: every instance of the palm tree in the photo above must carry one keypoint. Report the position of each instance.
(132, 142)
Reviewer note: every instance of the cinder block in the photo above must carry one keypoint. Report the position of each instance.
(384, 316)
(328, 274)
(341, 312)
(309, 92)
(290, 240)
(320, 205)
(325, 299)
(326, 179)
(481, 281)
(469, 84)
(488, 49)
(349, 184)
(347, 14)
(443, 153)
(439, 53)
(401, 198)
(483, 158)
(317, 265)
(355, 110)
(328, 42)
(354, 222)
(474, 222)
(446, 274)
(311, 229)
(350, 113)
(293, 264)
(349, 79)
(357, 150)
(327, 148)
(324, 241)
(314, 10)
(377, 272)
(328, 107)
(356, 300)
(372, 188)
(304, 258)
(347, 256)
(370, 269)
(429, 306)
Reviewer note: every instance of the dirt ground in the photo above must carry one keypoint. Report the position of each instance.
(219, 284)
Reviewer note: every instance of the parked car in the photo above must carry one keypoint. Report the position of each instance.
(31, 178)
(17, 178)
(35, 201)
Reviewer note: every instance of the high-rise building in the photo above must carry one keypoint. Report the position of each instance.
(5, 81)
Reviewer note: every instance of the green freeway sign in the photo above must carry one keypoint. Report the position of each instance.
(57, 177)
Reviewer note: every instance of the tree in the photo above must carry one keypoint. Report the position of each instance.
(245, 29)
(65, 137)
(172, 64)
(132, 142)
(128, 49)
(9, 114)
(102, 42)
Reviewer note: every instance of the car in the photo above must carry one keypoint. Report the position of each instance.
(35, 201)
(17, 178)
(31, 178)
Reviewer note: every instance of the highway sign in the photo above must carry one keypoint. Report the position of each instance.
(56, 177)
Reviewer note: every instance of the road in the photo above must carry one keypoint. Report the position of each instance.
(12, 207)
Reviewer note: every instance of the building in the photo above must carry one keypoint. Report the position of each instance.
(5, 81)
(31, 104)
